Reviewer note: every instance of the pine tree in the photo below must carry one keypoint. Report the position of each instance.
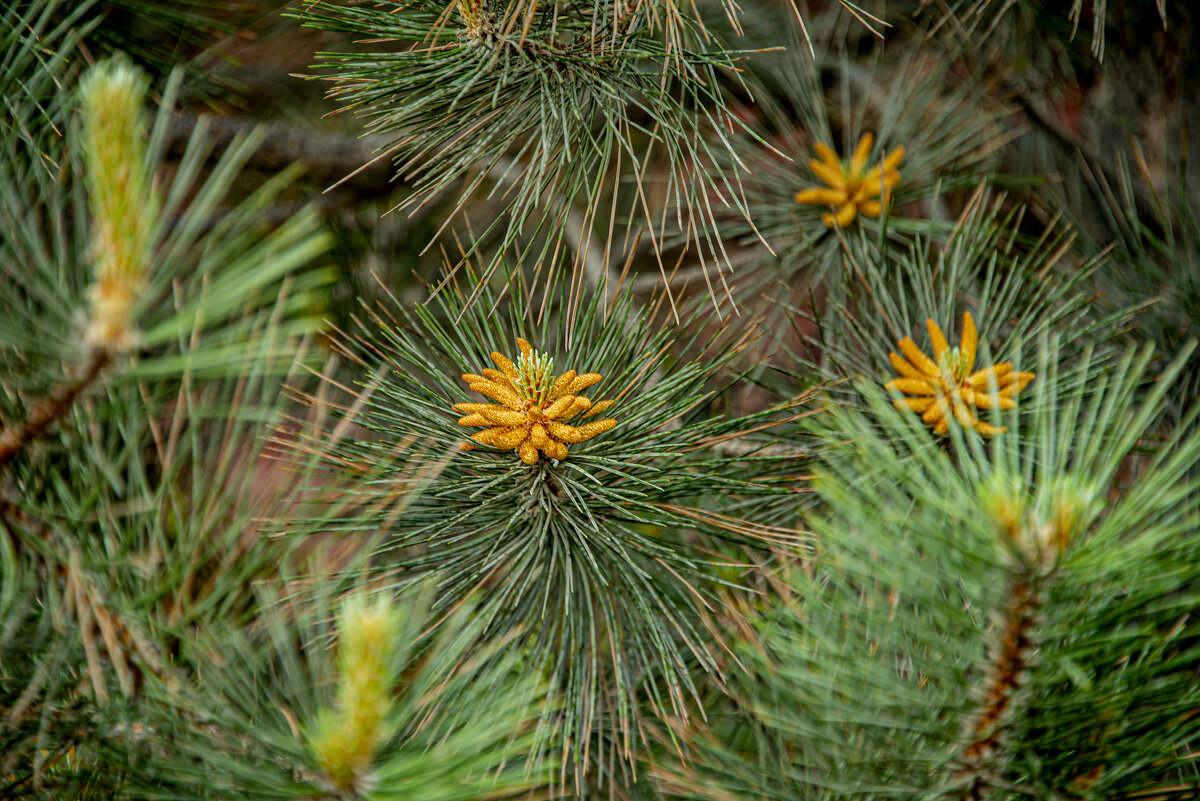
(627, 400)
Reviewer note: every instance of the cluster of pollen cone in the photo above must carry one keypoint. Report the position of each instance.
(534, 414)
(948, 387)
(852, 190)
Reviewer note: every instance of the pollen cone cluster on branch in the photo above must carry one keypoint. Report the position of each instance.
(533, 408)
(852, 192)
(944, 387)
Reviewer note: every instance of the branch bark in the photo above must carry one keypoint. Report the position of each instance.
(1009, 663)
(45, 412)
(329, 158)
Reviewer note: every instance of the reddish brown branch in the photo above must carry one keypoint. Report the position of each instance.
(1011, 660)
(45, 412)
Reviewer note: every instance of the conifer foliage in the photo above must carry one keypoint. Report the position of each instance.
(596, 554)
(705, 401)
(562, 102)
(994, 629)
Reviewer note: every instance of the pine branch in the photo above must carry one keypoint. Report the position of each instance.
(1008, 666)
(560, 542)
(578, 100)
(909, 111)
(352, 168)
(349, 162)
(1064, 543)
(44, 413)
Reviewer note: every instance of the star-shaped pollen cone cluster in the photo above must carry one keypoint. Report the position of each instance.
(851, 191)
(944, 387)
(535, 414)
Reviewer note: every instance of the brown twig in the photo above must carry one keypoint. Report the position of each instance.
(1008, 665)
(45, 412)
(87, 603)
(86, 633)
(328, 158)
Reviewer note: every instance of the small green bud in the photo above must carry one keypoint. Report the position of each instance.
(1006, 504)
(1069, 504)
(121, 198)
(1041, 527)
(346, 738)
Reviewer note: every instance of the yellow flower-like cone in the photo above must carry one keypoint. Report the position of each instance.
(945, 388)
(534, 415)
(850, 190)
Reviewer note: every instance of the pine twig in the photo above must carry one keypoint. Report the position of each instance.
(84, 613)
(328, 158)
(45, 412)
(1008, 666)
